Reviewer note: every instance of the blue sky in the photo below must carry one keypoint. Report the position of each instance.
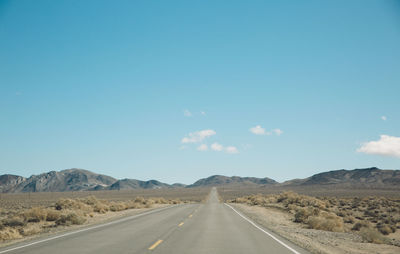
(136, 88)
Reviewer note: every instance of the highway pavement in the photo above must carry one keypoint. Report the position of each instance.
(209, 228)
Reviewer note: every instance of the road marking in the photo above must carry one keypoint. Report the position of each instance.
(269, 234)
(152, 247)
(190, 216)
(180, 224)
(86, 229)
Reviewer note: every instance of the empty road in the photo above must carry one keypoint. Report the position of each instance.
(208, 228)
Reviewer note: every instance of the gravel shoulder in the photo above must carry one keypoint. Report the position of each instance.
(316, 241)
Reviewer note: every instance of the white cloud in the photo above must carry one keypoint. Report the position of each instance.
(386, 145)
(198, 136)
(277, 131)
(217, 147)
(231, 149)
(202, 147)
(384, 118)
(220, 148)
(187, 113)
(203, 113)
(258, 130)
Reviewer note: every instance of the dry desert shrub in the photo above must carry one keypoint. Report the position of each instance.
(326, 221)
(132, 205)
(100, 208)
(239, 200)
(30, 229)
(70, 219)
(372, 236)
(286, 199)
(9, 233)
(302, 214)
(36, 214)
(84, 205)
(359, 225)
(175, 201)
(72, 204)
(140, 200)
(160, 201)
(52, 215)
(13, 222)
(300, 200)
(149, 203)
(115, 207)
(386, 227)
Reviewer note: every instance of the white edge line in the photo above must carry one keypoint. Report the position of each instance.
(86, 229)
(269, 234)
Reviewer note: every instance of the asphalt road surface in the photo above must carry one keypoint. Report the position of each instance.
(209, 228)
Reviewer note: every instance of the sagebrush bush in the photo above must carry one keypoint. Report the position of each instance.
(326, 221)
(372, 236)
(35, 214)
(53, 215)
(30, 229)
(14, 222)
(72, 204)
(101, 208)
(357, 226)
(70, 219)
(140, 200)
(9, 233)
(115, 207)
(301, 216)
(160, 201)
(384, 229)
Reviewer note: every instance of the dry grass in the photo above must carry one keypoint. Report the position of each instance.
(28, 214)
(370, 217)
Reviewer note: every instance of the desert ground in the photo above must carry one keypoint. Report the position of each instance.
(325, 220)
(319, 220)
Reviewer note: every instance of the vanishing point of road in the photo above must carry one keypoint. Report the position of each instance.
(209, 228)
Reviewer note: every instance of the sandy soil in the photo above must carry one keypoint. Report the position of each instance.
(316, 241)
(96, 219)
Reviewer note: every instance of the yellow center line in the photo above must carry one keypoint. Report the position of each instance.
(152, 247)
(180, 224)
(190, 216)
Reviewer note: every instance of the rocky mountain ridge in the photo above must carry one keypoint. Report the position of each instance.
(84, 180)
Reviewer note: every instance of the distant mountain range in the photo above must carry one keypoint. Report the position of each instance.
(84, 180)
(233, 180)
